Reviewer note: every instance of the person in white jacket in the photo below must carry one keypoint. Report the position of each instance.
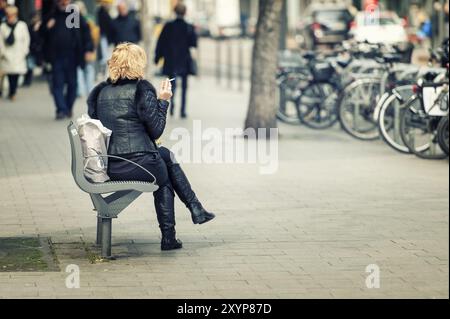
(14, 48)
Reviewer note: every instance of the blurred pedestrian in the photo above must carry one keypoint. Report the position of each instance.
(446, 19)
(34, 57)
(125, 28)
(104, 21)
(66, 48)
(435, 17)
(14, 48)
(3, 5)
(86, 75)
(174, 43)
(425, 32)
(244, 24)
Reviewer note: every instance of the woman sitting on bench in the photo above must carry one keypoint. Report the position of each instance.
(129, 106)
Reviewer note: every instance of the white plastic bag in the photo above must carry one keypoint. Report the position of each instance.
(94, 141)
(431, 103)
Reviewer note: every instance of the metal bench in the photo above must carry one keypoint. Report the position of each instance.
(121, 194)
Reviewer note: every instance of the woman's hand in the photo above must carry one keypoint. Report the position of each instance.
(165, 91)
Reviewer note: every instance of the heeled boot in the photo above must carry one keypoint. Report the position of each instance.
(184, 191)
(165, 212)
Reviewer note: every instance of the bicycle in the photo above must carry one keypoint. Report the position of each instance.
(422, 116)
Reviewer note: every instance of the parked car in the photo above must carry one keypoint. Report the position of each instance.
(325, 24)
(384, 27)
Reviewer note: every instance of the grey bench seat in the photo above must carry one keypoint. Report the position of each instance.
(109, 198)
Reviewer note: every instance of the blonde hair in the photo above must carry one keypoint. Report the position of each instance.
(12, 10)
(128, 61)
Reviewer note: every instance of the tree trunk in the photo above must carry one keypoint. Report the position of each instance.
(146, 26)
(262, 106)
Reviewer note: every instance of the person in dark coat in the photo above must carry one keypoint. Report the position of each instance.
(66, 48)
(35, 56)
(125, 28)
(3, 5)
(174, 43)
(130, 106)
(104, 22)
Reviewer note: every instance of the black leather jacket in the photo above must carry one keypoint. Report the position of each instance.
(132, 111)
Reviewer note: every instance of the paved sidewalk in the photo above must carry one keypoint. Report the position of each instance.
(335, 206)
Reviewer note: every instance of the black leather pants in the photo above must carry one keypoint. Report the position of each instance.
(170, 179)
(178, 179)
(163, 197)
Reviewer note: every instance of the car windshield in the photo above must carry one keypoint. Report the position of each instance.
(383, 20)
(331, 16)
(387, 21)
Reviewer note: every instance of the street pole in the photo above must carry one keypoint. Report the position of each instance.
(146, 26)
(282, 47)
(442, 24)
(230, 62)
(284, 26)
(240, 64)
(218, 60)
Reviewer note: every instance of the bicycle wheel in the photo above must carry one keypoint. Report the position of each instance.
(356, 108)
(317, 106)
(287, 94)
(443, 135)
(419, 131)
(389, 117)
(287, 109)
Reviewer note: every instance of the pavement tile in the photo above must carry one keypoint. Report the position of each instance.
(335, 206)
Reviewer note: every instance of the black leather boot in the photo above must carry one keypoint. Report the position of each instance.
(169, 240)
(165, 212)
(184, 191)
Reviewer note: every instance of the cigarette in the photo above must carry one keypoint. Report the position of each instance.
(171, 80)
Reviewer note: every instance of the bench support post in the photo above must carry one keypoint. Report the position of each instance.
(106, 237)
(99, 231)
